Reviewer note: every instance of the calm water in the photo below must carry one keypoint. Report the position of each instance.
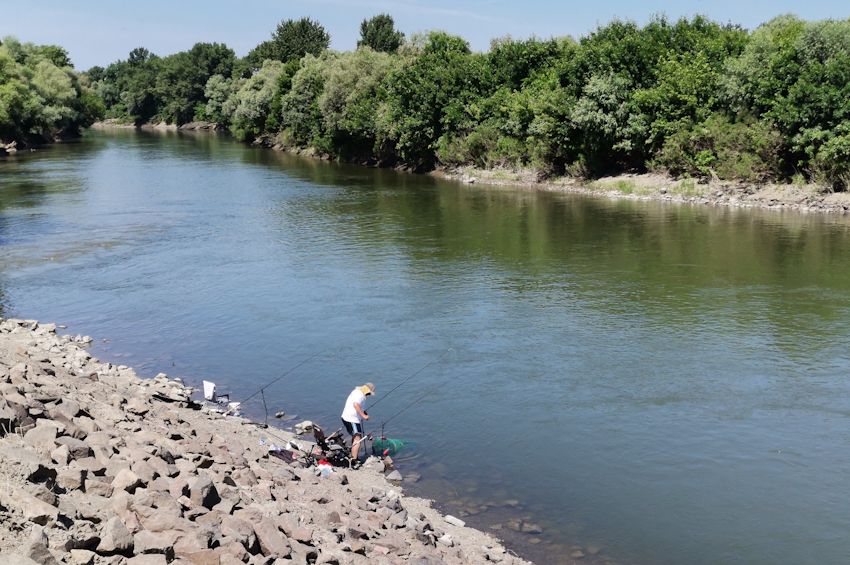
(668, 384)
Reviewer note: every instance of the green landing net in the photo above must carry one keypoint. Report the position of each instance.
(386, 446)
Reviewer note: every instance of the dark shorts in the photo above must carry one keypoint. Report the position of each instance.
(353, 428)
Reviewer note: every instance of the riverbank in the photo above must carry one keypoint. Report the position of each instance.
(805, 198)
(808, 197)
(159, 126)
(100, 466)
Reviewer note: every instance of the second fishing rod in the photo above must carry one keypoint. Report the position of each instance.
(419, 398)
(262, 390)
(406, 379)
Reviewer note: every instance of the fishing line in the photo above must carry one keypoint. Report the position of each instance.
(262, 389)
(396, 387)
(419, 399)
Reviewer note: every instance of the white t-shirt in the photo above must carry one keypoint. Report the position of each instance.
(349, 413)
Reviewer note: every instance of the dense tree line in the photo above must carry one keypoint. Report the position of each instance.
(690, 97)
(41, 97)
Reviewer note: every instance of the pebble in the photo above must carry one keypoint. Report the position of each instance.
(454, 521)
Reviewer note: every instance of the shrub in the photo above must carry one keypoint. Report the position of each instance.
(747, 151)
(831, 161)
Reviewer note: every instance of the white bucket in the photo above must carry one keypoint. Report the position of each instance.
(209, 391)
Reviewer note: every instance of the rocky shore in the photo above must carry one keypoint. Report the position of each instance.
(159, 126)
(99, 466)
(804, 198)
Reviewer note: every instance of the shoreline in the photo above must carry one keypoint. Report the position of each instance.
(646, 187)
(160, 126)
(653, 187)
(101, 466)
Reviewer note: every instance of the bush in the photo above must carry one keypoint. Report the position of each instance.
(747, 151)
(831, 161)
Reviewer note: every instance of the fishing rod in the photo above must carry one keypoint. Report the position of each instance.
(396, 387)
(419, 399)
(262, 389)
(371, 434)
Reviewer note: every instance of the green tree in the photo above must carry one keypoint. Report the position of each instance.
(604, 123)
(137, 88)
(182, 77)
(796, 75)
(350, 102)
(514, 62)
(41, 96)
(252, 102)
(220, 95)
(435, 94)
(291, 40)
(301, 115)
(379, 33)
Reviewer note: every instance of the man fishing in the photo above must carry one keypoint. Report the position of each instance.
(353, 415)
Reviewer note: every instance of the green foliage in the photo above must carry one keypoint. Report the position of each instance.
(746, 151)
(252, 102)
(686, 93)
(128, 88)
(434, 94)
(604, 123)
(40, 94)
(220, 93)
(181, 79)
(797, 75)
(172, 89)
(485, 147)
(831, 161)
(512, 63)
(379, 34)
(284, 85)
(300, 106)
(636, 86)
(350, 102)
(690, 97)
(291, 40)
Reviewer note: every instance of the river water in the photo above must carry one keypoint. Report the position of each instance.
(648, 382)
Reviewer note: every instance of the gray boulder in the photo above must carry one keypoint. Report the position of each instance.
(272, 542)
(127, 480)
(151, 559)
(202, 491)
(42, 439)
(115, 537)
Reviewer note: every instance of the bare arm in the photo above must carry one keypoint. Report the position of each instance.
(360, 411)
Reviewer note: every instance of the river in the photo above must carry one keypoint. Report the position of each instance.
(645, 382)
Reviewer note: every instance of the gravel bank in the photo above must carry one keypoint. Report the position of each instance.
(98, 466)
(806, 198)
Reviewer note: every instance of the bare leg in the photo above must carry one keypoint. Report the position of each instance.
(355, 446)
